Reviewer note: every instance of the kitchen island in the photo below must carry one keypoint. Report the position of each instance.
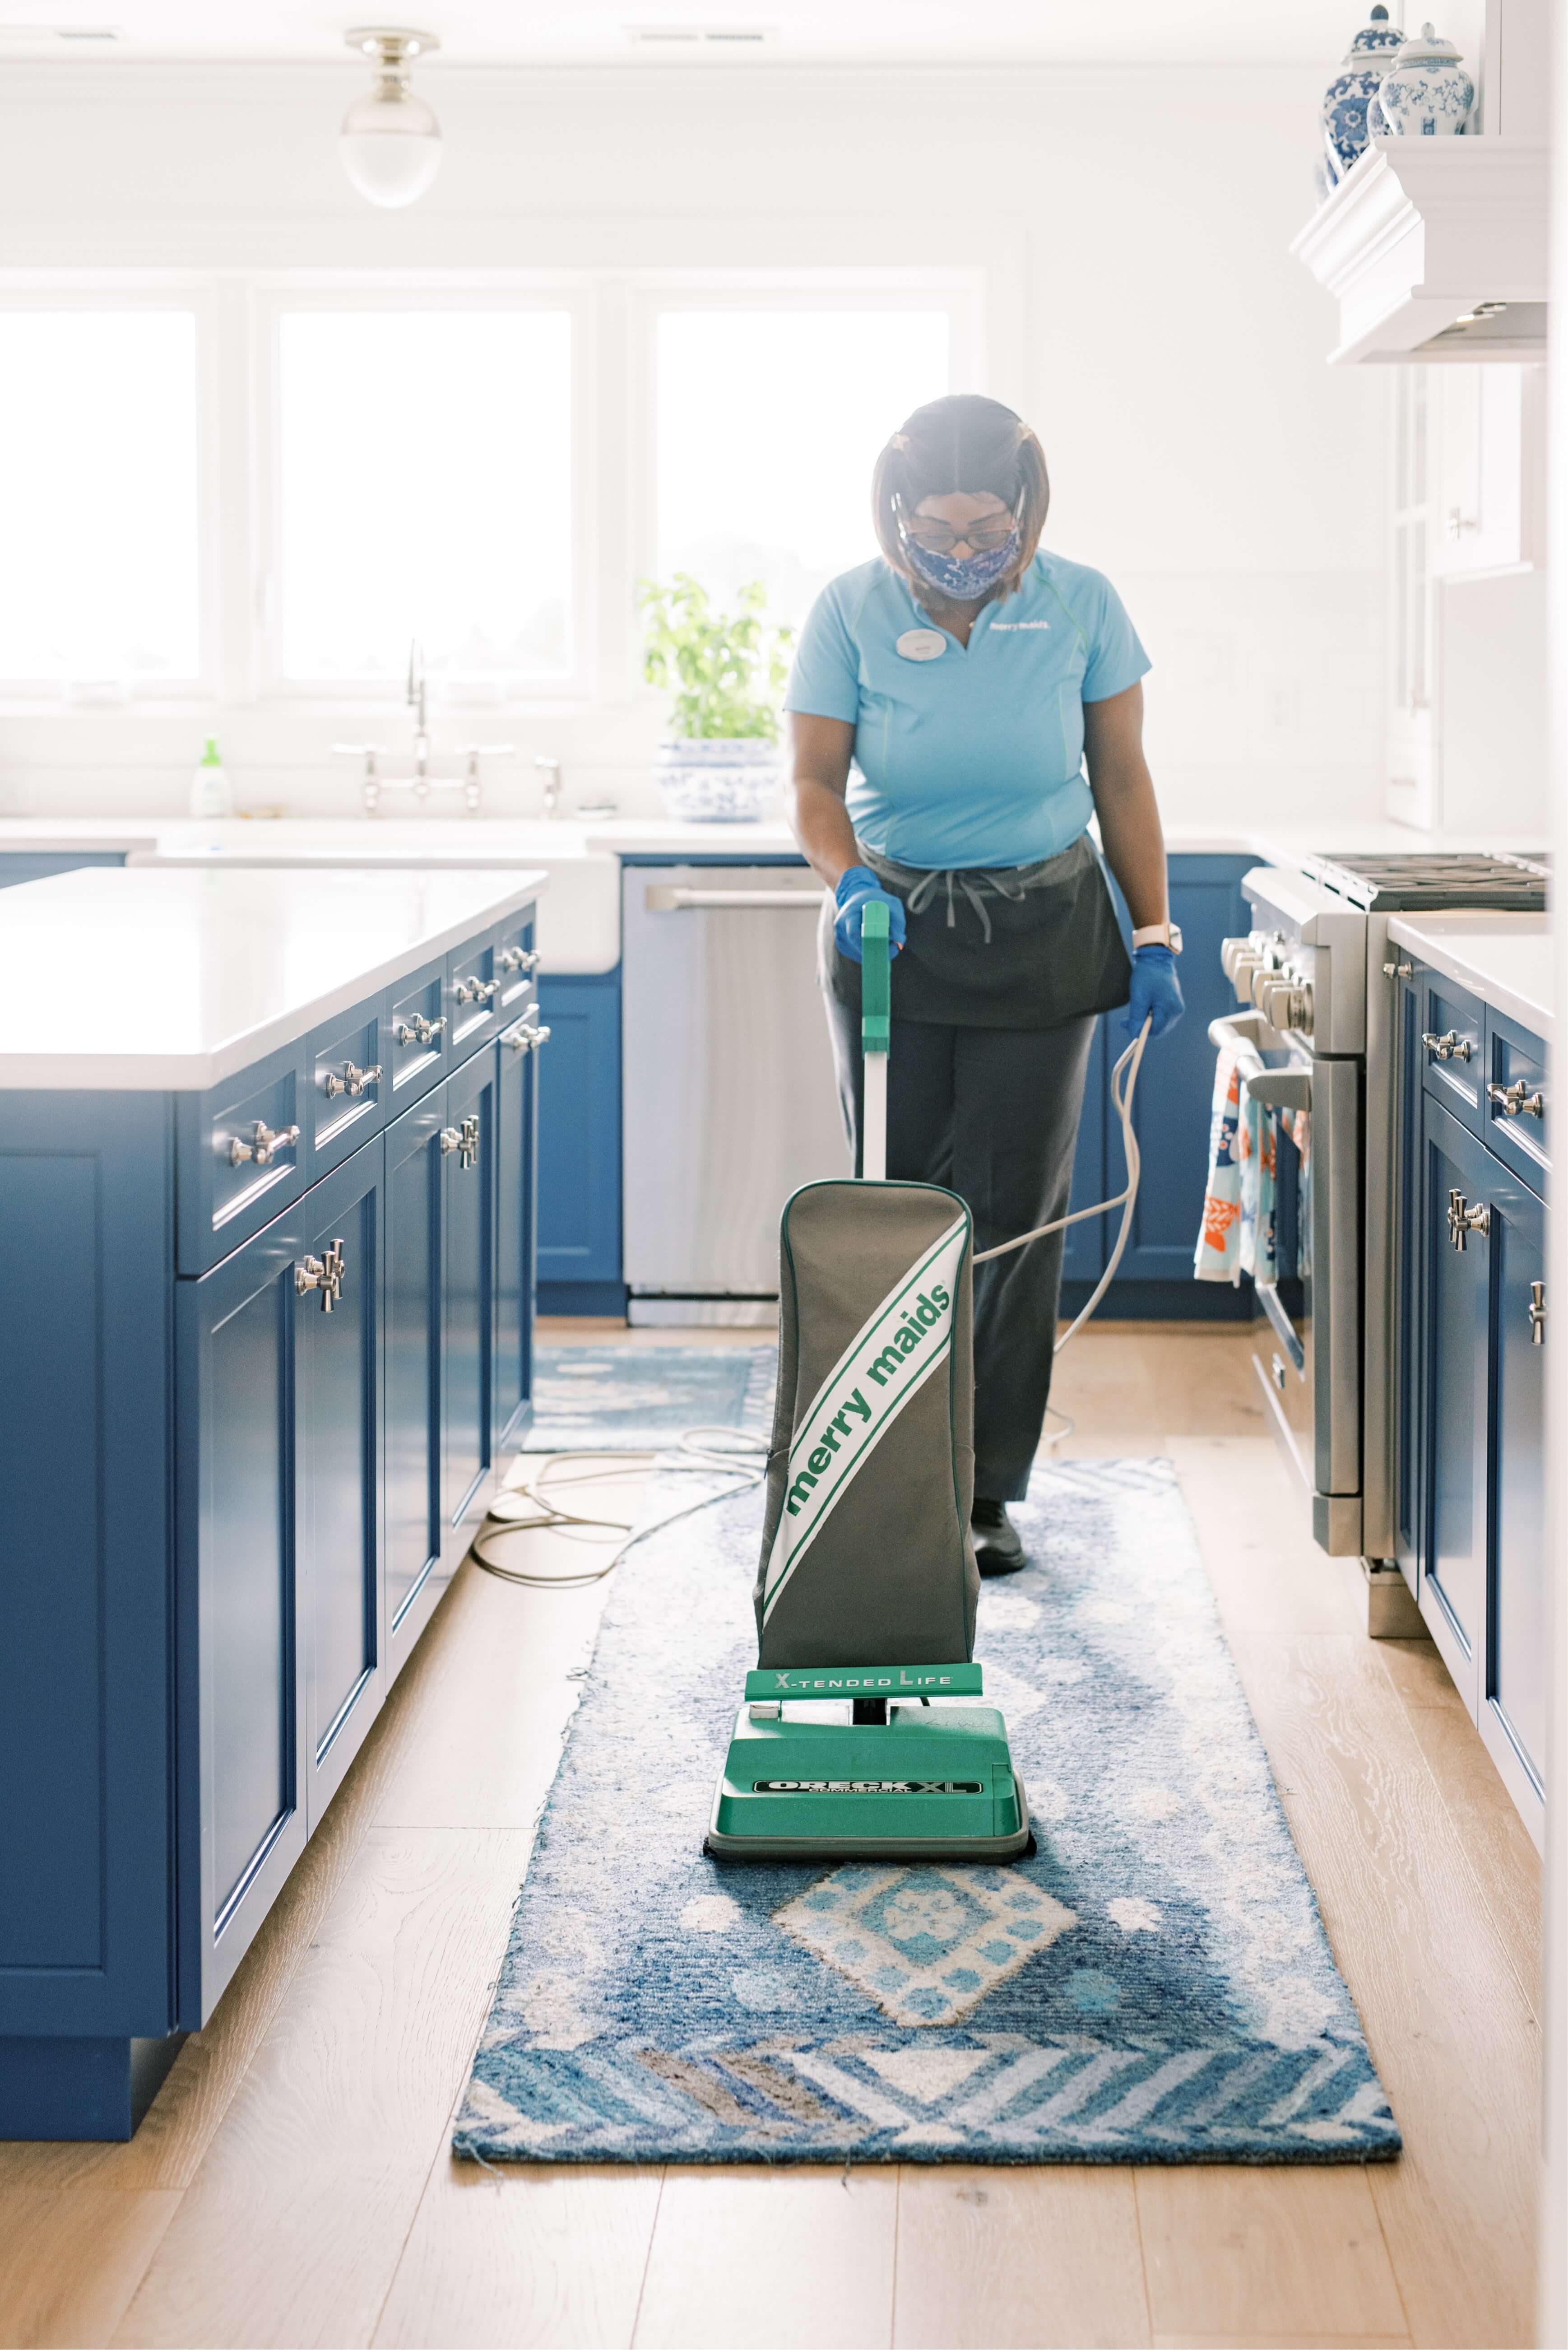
(266, 1181)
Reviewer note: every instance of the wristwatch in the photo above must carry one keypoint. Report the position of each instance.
(1158, 934)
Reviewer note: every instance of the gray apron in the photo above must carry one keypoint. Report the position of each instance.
(1027, 946)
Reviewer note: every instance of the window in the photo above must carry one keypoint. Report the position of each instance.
(424, 490)
(98, 465)
(768, 424)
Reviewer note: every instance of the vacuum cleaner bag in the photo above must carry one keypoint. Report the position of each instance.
(867, 1557)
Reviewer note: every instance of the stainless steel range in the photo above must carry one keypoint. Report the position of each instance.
(1314, 1044)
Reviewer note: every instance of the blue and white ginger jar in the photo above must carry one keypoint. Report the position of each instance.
(1427, 94)
(1353, 88)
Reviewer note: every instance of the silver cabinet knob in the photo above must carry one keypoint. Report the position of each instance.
(1398, 970)
(263, 1145)
(526, 959)
(451, 1140)
(526, 1038)
(1517, 1099)
(353, 1081)
(1537, 1312)
(469, 991)
(1451, 1047)
(419, 1030)
(324, 1273)
(1463, 1220)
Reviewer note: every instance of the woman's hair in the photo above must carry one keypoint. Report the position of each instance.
(962, 442)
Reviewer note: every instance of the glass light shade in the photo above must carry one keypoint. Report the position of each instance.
(391, 146)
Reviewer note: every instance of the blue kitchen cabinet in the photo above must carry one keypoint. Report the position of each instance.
(18, 865)
(239, 1632)
(338, 1289)
(467, 1148)
(231, 1501)
(86, 1669)
(412, 1324)
(517, 1191)
(1471, 1471)
(579, 1262)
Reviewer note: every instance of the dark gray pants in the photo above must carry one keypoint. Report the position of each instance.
(991, 1113)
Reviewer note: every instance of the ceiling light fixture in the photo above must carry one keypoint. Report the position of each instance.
(391, 140)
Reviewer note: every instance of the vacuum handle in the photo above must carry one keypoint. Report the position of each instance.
(875, 1035)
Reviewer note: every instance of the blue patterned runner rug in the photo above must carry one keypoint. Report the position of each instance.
(1154, 1985)
(639, 1398)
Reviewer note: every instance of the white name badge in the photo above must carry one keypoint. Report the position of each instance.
(922, 644)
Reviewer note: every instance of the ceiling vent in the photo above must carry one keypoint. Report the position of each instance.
(700, 36)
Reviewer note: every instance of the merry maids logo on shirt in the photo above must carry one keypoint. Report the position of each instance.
(1011, 627)
(890, 1358)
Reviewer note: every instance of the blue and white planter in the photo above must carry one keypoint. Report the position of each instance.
(1428, 94)
(1353, 88)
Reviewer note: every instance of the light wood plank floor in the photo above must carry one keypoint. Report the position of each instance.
(292, 2183)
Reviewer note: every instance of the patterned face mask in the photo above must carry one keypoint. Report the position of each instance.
(963, 582)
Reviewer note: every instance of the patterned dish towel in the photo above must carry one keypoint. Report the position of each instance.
(1239, 1202)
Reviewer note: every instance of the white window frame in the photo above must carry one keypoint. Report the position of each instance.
(271, 299)
(614, 313)
(957, 294)
(105, 293)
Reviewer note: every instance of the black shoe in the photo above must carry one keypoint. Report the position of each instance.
(997, 1548)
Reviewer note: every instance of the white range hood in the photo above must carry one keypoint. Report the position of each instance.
(1435, 249)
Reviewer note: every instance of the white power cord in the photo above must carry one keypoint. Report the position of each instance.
(731, 1450)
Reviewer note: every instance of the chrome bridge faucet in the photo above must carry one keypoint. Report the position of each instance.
(421, 783)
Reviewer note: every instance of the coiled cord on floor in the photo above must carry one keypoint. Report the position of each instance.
(734, 1453)
(731, 1451)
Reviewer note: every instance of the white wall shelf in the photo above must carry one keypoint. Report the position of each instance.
(1421, 232)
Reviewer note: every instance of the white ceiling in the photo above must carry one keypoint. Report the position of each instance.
(508, 31)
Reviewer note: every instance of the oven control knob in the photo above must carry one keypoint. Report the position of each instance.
(1230, 953)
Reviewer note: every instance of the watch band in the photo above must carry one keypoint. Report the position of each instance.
(1158, 934)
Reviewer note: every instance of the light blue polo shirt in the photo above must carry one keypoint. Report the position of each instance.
(974, 757)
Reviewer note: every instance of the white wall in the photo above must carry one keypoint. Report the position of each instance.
(1142, 310)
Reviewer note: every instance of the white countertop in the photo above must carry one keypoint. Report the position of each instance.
(1505, 959)
(156, 981)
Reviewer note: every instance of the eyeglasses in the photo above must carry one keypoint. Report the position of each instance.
(985, 536)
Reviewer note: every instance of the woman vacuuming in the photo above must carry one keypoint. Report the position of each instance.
(945, 700)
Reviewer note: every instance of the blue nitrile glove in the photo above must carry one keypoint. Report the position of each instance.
(856, 890)
(1155, 992)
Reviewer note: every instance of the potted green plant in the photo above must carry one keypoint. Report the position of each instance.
(725, 673)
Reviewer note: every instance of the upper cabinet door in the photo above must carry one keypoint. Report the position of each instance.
(337, 1290)
(1487, 494)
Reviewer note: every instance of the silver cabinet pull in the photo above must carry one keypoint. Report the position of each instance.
(1517, 1099)
(1451, 1047)
(463, 1139)
(522, 959)
(263, 1145)
(353, 1081)
(419, 1030)
(1398, 970)
(1537, 1312)
(526, 1038)
(469, 991)
(1463, 1221)
(324, 1273)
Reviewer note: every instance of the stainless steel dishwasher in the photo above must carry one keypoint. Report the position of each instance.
(728, 1096)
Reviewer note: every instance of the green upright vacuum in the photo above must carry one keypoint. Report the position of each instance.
(867, 1554)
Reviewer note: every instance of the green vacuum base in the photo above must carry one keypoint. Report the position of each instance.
(932, 1783)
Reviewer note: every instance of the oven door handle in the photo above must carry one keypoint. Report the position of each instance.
(1274, 1089)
